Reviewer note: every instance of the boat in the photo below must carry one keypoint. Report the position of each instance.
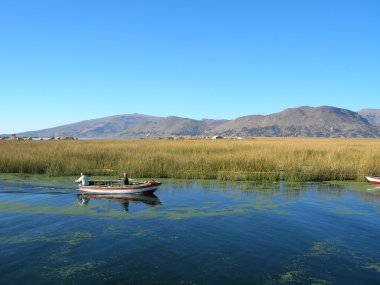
(114, 187)
(373, 179)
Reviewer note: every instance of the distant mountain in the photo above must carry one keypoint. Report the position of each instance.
(322, 121)
(176, 126)
(372, 116)
(103, 127)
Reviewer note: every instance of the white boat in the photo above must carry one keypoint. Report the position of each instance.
(112, 187)
(373, 179)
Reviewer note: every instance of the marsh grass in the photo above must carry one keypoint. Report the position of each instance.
(271, 159)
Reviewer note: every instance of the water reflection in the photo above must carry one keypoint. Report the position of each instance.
(373, 188)
(124, 199)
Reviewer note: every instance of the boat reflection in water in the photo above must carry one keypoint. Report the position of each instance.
(124, 199)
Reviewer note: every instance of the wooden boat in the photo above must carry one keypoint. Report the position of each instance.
(373, 179)
(114, 187)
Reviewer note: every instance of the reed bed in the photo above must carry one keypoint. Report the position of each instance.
(290, 159)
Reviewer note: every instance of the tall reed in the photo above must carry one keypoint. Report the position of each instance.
(291, 159)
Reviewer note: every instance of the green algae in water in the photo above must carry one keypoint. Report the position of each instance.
(77, 237)
(373, 266)
(70, 271)
(300, 277)
(323, 249)
(291, 276)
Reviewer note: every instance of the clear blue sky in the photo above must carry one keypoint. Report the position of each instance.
(65, 61)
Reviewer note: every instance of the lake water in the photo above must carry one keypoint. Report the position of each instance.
(190, 232)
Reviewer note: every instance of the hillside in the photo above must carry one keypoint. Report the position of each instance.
(102, 127)
(304, 121)
(322, 121)
(372, 116)
(175, 126)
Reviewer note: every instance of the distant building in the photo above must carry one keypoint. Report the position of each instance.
(217, 137)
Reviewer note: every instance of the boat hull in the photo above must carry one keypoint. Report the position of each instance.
(373, 180)
(144, 188)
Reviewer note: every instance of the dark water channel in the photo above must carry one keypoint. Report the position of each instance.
(190, 232)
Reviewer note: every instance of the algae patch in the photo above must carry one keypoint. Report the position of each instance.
(77, 237)
(323, 249)
(300, 277)
(373, 266)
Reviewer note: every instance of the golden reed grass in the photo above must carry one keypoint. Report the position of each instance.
(291, 159)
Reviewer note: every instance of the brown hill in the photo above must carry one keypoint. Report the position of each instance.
(103, 127)
(175, 126)
(372, 116)
(322, 121)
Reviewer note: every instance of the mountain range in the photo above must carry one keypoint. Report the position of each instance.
(324, 121)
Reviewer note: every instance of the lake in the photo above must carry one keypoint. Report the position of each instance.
(190, 232)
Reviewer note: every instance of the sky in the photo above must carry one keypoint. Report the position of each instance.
(65, 61)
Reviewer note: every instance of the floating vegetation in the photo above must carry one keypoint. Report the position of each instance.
(300, 277)
(72, 238)
(328, 255)
(323, 249)
(373, 266)
(71, 271)
(297, 275)
(291, 276)
(77, 237)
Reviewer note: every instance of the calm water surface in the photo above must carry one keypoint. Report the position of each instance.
(189, 233)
